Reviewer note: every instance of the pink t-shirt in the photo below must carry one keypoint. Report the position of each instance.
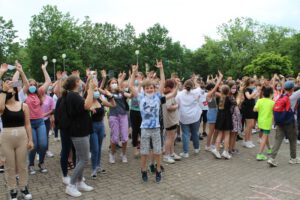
(48, 104)
(34, 105)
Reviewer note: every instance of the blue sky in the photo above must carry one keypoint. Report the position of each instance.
(188, 21)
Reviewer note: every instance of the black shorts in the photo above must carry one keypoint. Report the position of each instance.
(172, 128)
(204, 116)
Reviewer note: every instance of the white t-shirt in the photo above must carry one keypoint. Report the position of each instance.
(203, 102)
(188, 105)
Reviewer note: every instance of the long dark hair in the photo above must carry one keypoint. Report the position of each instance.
(70, 84)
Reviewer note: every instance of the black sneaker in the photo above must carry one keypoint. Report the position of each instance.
(158, 176)
(25, 193)
(14, 195)
(200, 137)
(178, 139)
(152, 168)
(144, 176)
(204, 134)
(161, 167)
(2, 169)
(239, 138)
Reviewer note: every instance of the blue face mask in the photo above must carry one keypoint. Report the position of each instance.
(32, 89)
(136, 82)
(50, 88)
(96, 94)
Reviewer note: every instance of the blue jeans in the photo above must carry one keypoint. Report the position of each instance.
(96, 139)
(47, 124)
(188, 129)
(39, 138)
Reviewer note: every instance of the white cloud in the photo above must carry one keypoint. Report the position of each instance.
(187, 21)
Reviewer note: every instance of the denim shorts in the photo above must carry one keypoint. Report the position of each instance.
(212, 115)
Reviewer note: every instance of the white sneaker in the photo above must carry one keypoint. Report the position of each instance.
(207, 148)
(112, 158)
(49, 154)
(32, 170)
(37, 157)
(56, 139)
(82, 186)
(168, 159)
(184, 155)
(124, 159)
(286, 141)
(251, 144)
(212, 146)
(72, 191)
(66, 180)
(298, 141)
(216, 153)
(197, 151)
(294, 161)
(226, 155)
(175, 157)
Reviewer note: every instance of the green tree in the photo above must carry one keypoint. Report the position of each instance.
(53, 33)
(269, 63)
(8, 47)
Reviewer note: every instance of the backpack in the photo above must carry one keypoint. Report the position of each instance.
(282, 110)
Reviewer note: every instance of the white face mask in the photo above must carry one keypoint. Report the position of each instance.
(114, 86)
(278, 88)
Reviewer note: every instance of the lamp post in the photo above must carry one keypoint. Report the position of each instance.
(137, 52)
(64, 57)
(45, 58)
(54, 61)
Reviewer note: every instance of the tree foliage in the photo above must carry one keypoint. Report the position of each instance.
(243, 44)
(270, 63)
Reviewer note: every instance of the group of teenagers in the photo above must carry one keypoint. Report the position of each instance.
(157, 111)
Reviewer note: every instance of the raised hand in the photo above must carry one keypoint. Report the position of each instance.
(87, 71)
(220, 74)
(134, 68)
(92, 84)
(103, 74)
(19, 67)
(58, 75)
(44, 65)
(159, 64)
(4, 68)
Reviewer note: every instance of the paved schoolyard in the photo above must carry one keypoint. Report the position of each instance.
(198, 177)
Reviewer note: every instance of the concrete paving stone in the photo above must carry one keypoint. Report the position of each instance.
(200, 177)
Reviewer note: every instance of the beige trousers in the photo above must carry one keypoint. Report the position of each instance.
(13, 142)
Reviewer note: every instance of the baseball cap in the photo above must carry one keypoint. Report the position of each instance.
(289, 85)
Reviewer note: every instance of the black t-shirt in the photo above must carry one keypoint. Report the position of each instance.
(99, 114)
(74, 119)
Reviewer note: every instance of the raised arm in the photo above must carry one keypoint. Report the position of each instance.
(103, 76)
(23, 77)
(90, 93)
(131, 80)
(3, 69)
(159, 65)
(3, 96)
(210, 93)
(46, 76)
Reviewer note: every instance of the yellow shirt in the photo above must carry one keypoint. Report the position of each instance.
(264, 108)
